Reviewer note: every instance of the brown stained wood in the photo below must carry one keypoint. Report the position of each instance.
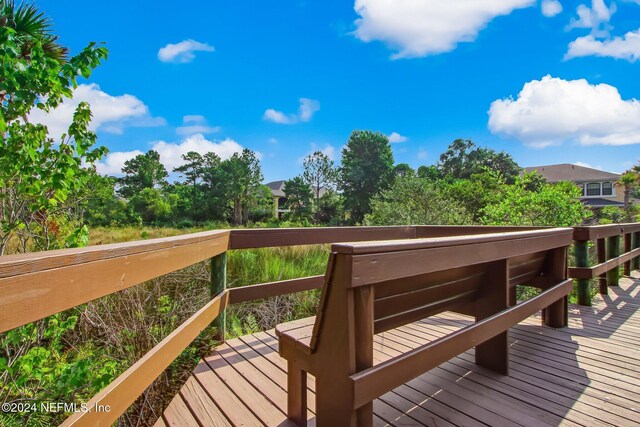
(602, 231)
(363, 320)
(229, 403)
(423, 231)
(273, 289)
(32, 296)
(369, 384)
(494, 297)
(384, 246)
(14, 265)
(125, 389)
(601, 249)
(272, 237)
(555, 268)
(382, 267)
(201, 405)
(296, 394)
(178, 414)
(603, 267)
(627, 248)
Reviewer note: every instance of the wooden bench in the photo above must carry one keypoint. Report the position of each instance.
(372, 287)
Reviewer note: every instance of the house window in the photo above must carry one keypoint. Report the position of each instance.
(593, 189)
(607, 189)
(581, 187)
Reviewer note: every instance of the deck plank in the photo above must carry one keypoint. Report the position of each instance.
(585, 374)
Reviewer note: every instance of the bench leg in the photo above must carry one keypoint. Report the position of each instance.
(296, 394)
(557, 314)
(494, 354)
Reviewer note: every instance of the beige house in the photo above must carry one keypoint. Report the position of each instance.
(599, 188)
(280, 198)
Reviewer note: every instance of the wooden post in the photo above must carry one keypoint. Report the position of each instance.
(219, 284)
(581, 249)
(602, 257)
(627, 248)
(557, 314)
(613, 251)
(635, 264)
(363, 317)
(296, 394)
(494, 297)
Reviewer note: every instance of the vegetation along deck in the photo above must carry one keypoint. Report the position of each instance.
(586, 374)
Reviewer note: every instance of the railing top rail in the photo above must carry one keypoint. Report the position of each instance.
(594, 232)
(359, 248)
(13, 265)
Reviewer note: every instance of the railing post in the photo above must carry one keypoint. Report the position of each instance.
(627, 248)
(219, 284)
(601, 248)
(581, 249)
(613, 251)
(635, 243)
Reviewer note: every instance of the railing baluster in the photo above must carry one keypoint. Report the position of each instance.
(582, 260)
(613, 251)
(635, 263)
(627, 248)
(602, 257)
(218, 285)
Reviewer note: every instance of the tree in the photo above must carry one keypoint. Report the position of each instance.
(298, 194)
(143, 171)
(367, 165)
(152, 205)
(413, 200)
(552, 205)
(319, 173)
(628, 180)
(241, 176)
(40, 173)
(402, 170)
(102, 207)
(463, 158)
(429, 172)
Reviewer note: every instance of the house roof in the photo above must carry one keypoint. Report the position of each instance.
(277, 188)
(601, 203)
(575, 173)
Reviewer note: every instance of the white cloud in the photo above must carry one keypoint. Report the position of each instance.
(328, 150)
(171, 153)
(421, 27)
(273, 141)
(596, 17)
(551, 111)
(422, 154)
(195, 124)
(626, 47)
(395, 137)
(307, 109)
(182, 52)
(110, 113)
(114, 162)
(551, 8)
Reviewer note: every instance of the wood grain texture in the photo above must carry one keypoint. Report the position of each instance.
(125, 389)
(273, 289)
(32, 296)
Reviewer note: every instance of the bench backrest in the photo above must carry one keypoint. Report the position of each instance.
(417, 278)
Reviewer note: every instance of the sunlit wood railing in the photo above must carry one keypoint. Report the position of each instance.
(36, 285)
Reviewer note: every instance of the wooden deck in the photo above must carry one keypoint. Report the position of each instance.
(587, 374)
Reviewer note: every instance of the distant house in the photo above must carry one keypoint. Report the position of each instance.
(599, 188)
(280, 199)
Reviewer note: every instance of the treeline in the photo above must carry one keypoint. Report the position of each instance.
(468, 185)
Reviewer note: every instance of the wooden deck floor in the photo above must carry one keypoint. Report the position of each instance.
(587, 374)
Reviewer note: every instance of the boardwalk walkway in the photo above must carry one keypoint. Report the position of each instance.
(586, 374)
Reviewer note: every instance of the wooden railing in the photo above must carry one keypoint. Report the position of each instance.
(608, 241)
(36, 285)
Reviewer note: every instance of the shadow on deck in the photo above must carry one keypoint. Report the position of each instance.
(585, 374)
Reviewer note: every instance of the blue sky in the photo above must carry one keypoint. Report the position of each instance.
(548, 82)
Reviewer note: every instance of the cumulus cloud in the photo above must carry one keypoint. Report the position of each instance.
(328, 150)
(551, 8)
(626, 47)
(182, 52)
(171, 153)
(307, 109)
(395, 137)
(114, 162)
(195, 124)
(596, 17)
(110, 113)
(551, 111)
(419, 28)
(587, 165)
(422, 154)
